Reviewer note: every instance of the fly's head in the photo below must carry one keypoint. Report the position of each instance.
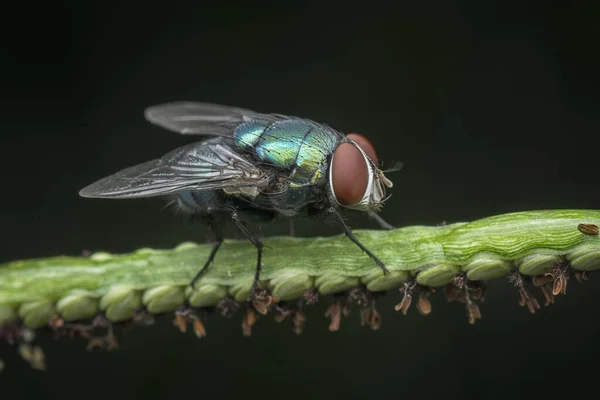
(355, 180)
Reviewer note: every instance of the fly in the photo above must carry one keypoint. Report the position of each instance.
(254, 167)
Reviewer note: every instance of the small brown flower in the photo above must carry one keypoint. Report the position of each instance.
(404, 305)
(423, 305)
(247, 322)
(473, 312)
(334, 313)
(199, 328)
(547, 292)
(180, 322)
(298, 322)
(541, 280)
(263, 300)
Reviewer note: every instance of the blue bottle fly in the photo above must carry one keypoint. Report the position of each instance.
(254, 167)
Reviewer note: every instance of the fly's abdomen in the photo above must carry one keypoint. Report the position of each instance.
(301, 146)
(198, 202)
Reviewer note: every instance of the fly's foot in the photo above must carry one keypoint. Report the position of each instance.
(384, 269)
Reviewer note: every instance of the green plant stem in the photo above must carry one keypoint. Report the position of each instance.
(78, 287)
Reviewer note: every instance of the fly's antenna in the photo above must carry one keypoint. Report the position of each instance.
(396, 166)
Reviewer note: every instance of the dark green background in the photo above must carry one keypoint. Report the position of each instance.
(492, 107)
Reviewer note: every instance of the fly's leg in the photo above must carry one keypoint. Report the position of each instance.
(216, 231)
(292, 228)
(259, 250)
(382, 222)
(350, 235)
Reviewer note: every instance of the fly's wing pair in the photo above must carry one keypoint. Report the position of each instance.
(208, 165)
(190, 118)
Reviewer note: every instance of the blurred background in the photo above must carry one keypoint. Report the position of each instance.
(491, 106)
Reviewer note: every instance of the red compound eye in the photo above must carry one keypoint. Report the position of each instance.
(350, 171)
(365, 145)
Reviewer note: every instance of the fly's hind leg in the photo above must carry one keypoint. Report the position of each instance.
(218, 241)
(350, 235)
(259, 251)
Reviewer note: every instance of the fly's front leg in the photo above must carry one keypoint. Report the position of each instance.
(259, 251)
(382, 222)
(218, 235)
(350, 235)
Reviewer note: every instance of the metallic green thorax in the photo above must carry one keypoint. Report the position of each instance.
(296, 144)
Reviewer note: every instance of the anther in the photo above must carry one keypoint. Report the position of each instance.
(248, 321)
(370, 316)
(424, 305)
(407, 289)
(334, 313)
(525, 299)
(582, 275)
(263, 300)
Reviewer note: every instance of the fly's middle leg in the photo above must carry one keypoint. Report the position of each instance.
(350, 235)
(218, 241)
(259, 251)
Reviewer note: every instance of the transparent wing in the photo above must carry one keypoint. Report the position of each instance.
(191, 118)
(201, 166)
